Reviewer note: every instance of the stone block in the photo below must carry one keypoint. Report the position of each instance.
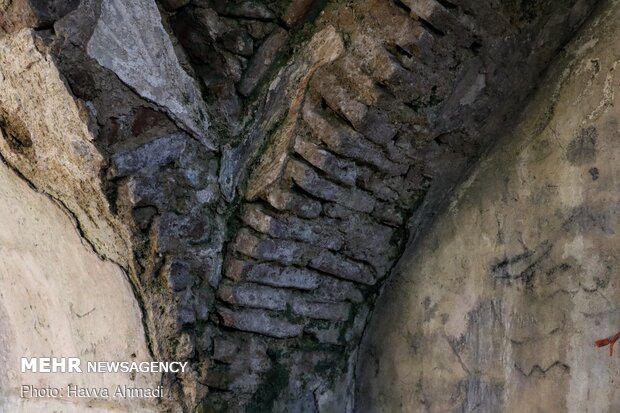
(267, 249)
(369, 121)
(203, 301)
(298, 204)
(307, 178)
(185, 347)
(319, 232)
(334, 289)
(149, 156)
(342, 267)
(260, 322)
(368, 241)
(18, 14)
(252, 355)
(259, 30)
(347, 142)
(334, 210)
(338, 169)
(250, 10)
(175, 231)
(179, 276)
(322, 311)
(254, 295)
(238, 42)
(236, 269)
(286, 277)
(186, 316)
(379, 187)
(126, 26)
(388, 214)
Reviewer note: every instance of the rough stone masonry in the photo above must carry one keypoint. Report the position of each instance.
(257, 168)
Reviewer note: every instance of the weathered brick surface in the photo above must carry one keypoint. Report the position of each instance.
(317, 232)
(341, 170)
(298, 204)
(259, 321)
(287, 277)
(254, 295)
(310, 181)
(347, 142)
(363, 136)
(342, 267)
(283, 251)
(319, 310)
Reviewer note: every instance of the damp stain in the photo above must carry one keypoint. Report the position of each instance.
(582, 149)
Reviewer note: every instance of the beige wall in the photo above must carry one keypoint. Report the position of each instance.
(497, 309)
(58, 298)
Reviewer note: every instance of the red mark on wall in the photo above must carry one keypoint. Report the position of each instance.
(608, 342)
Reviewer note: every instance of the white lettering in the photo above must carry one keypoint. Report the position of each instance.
(28, 391)
(74, 365)
(44, 365)
(29, 365)
(50, 365)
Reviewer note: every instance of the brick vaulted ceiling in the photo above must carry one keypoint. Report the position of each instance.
(257, 168)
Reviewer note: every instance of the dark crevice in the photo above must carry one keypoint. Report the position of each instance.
(446, 4)
(326, 107)
(430, 27)
(475, 47)
(403, 56)
(402, 6)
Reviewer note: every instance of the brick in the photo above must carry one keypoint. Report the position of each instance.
(254, 295)
(235, 269)
(342, 267)
(319, 232)
(250, 10)
(260, 322)
(368, 241)
(334, 289)
(347, 142)
(287, 277)
(299, 205)
(319, 310)
(338, 169)
(267, 249)
(369, 121)
(307, 178)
